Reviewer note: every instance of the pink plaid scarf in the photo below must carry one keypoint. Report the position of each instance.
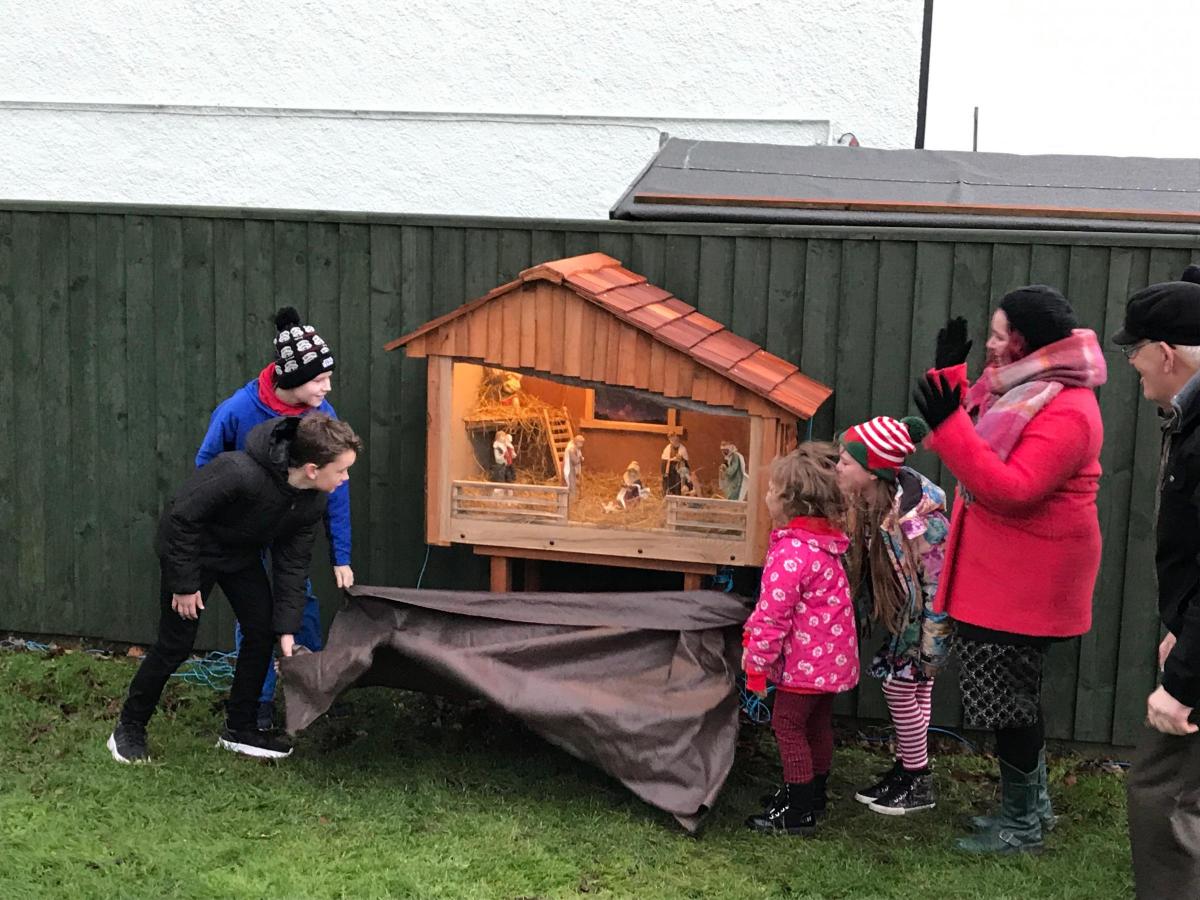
(1005, 398)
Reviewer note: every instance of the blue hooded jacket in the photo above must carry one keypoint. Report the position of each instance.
(227, 430)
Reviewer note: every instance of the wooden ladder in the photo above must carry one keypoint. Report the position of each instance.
(560, 433)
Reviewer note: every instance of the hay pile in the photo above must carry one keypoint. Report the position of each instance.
(599, 488)
(524, 422)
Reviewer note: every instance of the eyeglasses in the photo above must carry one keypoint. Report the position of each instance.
(1132, 350)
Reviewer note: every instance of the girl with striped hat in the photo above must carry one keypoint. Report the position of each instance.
(897, 524)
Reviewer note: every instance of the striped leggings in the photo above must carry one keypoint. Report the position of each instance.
(909, 703)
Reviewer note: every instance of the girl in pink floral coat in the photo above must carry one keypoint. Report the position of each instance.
(802, 634)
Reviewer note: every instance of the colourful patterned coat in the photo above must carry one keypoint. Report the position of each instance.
(802, 633)
(923, 642)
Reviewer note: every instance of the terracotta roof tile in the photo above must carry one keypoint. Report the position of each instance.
(800, 394)
(723, 350)
(604, 281)
(557, 269)
(685, 333)
(616, 276)
(626, 299)
(761, 371)
(655, 315)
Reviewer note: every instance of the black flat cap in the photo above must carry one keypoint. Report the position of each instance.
(1167, 312)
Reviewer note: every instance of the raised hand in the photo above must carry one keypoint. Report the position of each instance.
(952, 344)
(936, 399)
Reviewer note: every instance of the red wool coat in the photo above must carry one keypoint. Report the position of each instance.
(1023, 556)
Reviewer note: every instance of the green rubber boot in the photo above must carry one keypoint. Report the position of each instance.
(1019, 827)
(1044, 808)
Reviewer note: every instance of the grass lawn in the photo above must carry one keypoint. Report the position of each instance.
(404, 798)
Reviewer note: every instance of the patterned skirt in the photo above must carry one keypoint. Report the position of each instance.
(1001, 683)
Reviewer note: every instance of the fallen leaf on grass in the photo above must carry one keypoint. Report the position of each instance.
(136, 652)
(39, 730)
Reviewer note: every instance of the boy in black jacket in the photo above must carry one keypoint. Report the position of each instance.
(214, 531)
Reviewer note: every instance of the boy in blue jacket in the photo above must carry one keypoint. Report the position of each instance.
(293, 384)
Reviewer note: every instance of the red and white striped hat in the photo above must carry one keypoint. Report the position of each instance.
(882, 444)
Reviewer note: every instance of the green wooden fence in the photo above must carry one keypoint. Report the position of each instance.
(124, 326)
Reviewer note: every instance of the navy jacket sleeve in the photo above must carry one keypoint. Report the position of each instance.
(208, 490)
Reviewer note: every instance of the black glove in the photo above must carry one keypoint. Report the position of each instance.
(952, 344)
(936, 400)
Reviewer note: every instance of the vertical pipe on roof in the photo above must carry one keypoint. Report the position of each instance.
(923, 82)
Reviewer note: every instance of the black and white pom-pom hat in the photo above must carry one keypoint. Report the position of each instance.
(300, 354)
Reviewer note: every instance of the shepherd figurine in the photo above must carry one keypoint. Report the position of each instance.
(734, 482)
(674, 456)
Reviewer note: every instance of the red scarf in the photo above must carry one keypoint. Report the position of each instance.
(266, 393)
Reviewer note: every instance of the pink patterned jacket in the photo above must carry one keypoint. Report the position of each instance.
(802, 633)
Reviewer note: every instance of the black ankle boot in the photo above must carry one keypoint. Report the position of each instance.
(820, 796)
(793, 816)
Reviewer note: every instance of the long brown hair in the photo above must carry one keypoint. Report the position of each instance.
(868, 556)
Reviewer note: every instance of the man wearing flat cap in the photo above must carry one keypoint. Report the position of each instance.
(1161, 340)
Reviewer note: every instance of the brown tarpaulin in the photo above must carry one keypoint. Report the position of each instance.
(640, 684)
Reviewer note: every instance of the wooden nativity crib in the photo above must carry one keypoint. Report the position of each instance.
(582, 348)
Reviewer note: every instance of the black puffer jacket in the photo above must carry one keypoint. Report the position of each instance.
(229, 511)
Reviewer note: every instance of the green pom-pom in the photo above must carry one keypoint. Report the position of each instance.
(917, 427)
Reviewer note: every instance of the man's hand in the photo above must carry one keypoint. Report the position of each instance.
(1166, 714)
(1164, 650)
(344, 576)
(187, 605)
(287, 644)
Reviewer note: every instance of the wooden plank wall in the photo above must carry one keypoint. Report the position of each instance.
(125, 328)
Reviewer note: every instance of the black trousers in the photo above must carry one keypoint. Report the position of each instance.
(1164, 815)
(249, 594)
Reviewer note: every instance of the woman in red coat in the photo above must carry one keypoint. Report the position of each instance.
(1024, 545)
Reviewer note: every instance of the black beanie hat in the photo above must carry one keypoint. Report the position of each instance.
(1040, 313)
(300, 354)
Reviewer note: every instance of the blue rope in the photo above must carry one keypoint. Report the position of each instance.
(212, 671)
(421, 576)
(723, 579)
(756, 709)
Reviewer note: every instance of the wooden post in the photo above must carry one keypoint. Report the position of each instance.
(501, 571)
(437, 450)
(533, 575)
(691, 581)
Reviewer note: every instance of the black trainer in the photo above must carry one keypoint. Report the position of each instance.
(880, 787)
(127, 743)
(252, 742)
(266, 715)
(911, 792)
(793, 816)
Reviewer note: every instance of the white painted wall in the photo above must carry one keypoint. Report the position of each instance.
(508, 107)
